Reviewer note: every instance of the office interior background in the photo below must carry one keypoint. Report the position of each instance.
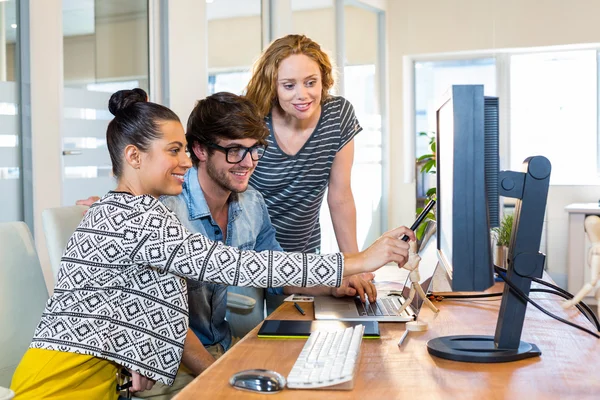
(61, 59)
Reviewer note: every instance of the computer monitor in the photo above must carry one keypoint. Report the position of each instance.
(462, 211)
(464, 227)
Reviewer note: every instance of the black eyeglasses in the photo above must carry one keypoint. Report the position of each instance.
(236, 154)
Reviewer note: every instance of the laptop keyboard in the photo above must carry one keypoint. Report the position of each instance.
(387, 306)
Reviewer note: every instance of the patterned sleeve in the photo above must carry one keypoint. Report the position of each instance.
(349, 125)
(156, 238)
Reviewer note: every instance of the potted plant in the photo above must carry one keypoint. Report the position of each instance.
(427, 166)
(502, 235)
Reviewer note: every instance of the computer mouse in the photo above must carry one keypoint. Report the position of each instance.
(258, 380)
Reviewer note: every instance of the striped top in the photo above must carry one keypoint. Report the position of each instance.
(293, 186)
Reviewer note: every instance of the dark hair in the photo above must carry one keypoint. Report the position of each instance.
(137, 122)
(224, 115)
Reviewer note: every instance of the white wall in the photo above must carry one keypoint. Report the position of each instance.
(46, 117)
(433, 26)
(226, 50)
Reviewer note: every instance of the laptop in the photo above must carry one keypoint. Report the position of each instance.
(388, 301)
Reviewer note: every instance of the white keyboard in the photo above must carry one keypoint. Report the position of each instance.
(328, 360)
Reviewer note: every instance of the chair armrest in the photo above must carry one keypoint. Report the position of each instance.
(239, 301)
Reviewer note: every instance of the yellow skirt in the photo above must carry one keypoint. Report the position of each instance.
(49, 374)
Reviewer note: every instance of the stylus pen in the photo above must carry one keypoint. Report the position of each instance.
(420, 218)
(299, 308)
(404, 335)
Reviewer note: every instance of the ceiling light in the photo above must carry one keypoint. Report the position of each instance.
(14, 26)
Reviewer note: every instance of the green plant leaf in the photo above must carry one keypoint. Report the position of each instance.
(428, 166)
(431, 192)
(421, 229)
(426, 157)
(504, 231)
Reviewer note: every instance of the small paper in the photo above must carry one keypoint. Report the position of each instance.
(300, 298)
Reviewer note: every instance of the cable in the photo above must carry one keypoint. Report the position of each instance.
(523, 296)
(589, 314)
(581, 307)
(440, 297)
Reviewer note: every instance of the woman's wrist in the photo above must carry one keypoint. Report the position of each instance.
(352, 264)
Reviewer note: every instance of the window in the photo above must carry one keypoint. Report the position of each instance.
(233, 82)
(432, 80)
(230, 56)
(554, 113)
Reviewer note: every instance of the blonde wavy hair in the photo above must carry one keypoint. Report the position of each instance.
(262, 87)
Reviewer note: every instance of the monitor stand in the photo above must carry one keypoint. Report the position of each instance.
(530, 188)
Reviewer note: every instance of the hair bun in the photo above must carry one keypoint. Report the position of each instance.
(124, 98)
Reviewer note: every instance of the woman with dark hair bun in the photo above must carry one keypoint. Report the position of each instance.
(120, 300)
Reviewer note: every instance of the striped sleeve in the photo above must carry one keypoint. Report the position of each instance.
(349, 125)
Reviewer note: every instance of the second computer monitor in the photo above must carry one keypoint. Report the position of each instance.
(463, 211)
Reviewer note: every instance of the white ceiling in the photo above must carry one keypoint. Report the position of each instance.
(79, 16)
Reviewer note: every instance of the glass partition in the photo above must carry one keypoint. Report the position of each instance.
(11, 201)
(363, 47)
(105, 49)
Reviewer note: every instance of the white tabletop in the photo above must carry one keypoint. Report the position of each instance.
(583, 208)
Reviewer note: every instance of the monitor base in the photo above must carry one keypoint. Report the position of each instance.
(480, 349)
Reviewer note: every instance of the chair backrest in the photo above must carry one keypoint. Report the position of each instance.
(59, 224)
(23, 295)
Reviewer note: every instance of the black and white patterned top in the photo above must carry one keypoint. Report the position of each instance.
(120, 293)
(293, 186)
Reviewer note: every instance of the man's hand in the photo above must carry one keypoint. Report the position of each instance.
(140, 382)
(360, 284)
(87, 202)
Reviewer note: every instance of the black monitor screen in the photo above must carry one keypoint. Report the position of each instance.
(463, 222)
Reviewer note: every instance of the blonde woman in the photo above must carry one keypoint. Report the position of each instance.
(311, 144)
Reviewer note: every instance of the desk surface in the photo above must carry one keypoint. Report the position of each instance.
(568, 367)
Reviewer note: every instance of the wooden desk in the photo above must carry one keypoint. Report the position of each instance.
(568, 368)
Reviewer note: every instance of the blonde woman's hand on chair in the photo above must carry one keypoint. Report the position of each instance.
(87, 202)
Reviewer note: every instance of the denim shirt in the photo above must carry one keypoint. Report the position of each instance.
(248, 228)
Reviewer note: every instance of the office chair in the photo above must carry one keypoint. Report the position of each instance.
(60, 223)
(23, 295)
